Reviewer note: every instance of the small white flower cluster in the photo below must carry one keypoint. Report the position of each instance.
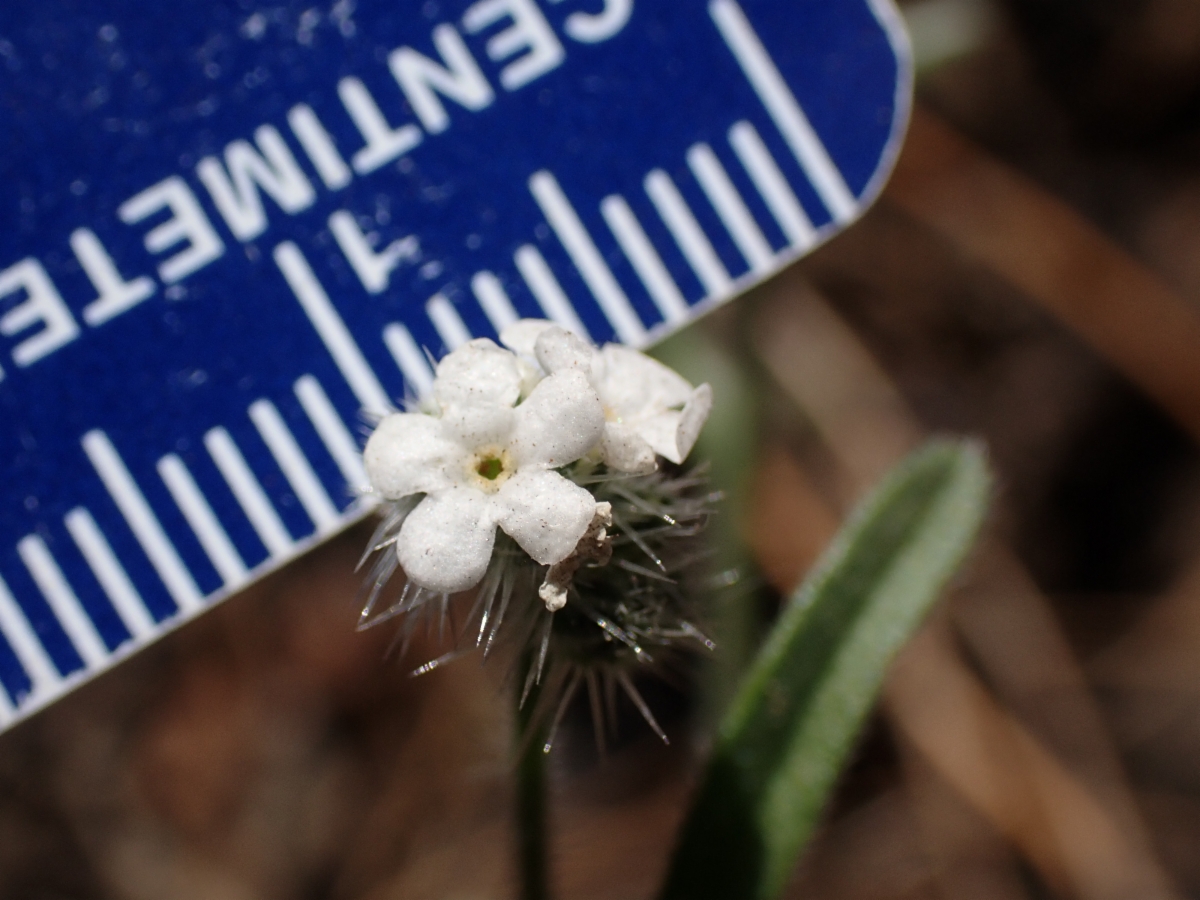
(487, 447)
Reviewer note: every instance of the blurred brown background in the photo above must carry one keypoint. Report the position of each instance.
(1032, 276)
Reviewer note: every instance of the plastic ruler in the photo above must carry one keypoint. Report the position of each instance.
(229, 231)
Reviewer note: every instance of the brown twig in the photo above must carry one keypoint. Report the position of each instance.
(1046, 249)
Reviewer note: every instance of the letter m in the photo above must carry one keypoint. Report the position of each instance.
(236, 192)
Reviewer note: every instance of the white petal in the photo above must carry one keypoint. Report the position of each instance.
(673, 434)
(520, 337)
(560, 422)
(634, 385)
(478, 372)
(623, 449)
(474, 425)
(692, 419)
(557, 349)
(531, 374)
(662, 433)
(446, 543)
(545, 513)
(408, 453)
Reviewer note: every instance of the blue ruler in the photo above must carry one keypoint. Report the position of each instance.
(228, 233)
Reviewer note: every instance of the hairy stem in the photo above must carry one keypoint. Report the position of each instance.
(532, 852)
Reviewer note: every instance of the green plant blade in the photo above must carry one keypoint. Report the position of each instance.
(784, 740)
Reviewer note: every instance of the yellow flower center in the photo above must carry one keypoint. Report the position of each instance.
(489, 467)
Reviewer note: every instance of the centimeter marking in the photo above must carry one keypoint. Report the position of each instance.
(248, 492)
(203, 521)
(646, 262)
(332, 431)
(63, 602)
(145, 525)
(784, 109)
(333, 331)
(688, 234)
(42, 676)
(99, 555)
(296, 468)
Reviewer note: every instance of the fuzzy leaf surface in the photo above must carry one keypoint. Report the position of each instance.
(786, 737)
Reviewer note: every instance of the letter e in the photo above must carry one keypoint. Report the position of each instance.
(43, 304)
(188, 225)
(529, 31)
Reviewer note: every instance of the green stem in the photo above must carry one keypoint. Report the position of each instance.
(532, 855)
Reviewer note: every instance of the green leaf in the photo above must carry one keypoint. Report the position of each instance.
(783, 742)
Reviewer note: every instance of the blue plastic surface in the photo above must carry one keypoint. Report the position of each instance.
(228, 230)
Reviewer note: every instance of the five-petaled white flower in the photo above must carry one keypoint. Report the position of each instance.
(484, 462)
(648, 408)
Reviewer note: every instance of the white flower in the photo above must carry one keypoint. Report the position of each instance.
(486, 462)
(648, 408)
